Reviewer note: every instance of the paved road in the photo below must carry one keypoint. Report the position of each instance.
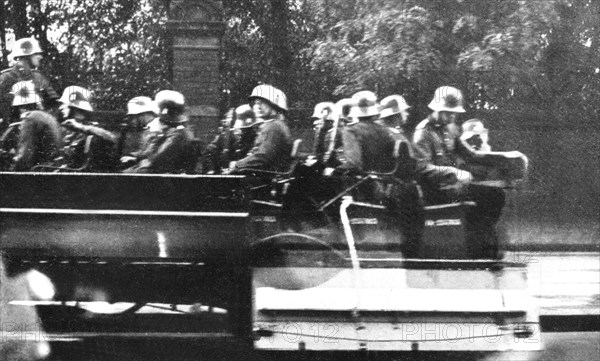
(566, 283)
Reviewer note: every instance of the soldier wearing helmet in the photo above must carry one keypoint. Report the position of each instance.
(172, 150)
(27, 56)
(343, 107)
(366, 143)
(273, 144)
(328, 136)
(89, 146)
(235, 139)
(39, 138)
(440, 152)
(142, 128)
(394, 114)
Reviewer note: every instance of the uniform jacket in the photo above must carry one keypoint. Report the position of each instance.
(39, 140)
(324, 138)
(17, 73)
(408, 168)
(272, 148)
(93, 148)
(171, 152)
(439, 152)
(368, 146)
(230, 145)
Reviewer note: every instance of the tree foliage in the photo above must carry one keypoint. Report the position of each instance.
(540, 55)
(502, 52)
(116, 48)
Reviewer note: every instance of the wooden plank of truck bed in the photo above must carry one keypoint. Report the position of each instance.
(104, 216)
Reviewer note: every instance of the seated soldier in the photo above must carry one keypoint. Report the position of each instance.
(405, 199)
(235, 139)
(394, 115)
(39, 138)
(141, 129)
(440, 152)
(475, 135)
(328, 135)
(90, 147)
(366, 142)
(343, 107)
(172, 151)
(273, 146)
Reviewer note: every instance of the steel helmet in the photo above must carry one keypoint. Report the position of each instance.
(447, 99)
(393, 104)
(140, 105)
(244, 116)
(171, 106)
(364, 104)
(24, 93)
(474, 127)
(325, 110)
(77, 97)
(25, 47)
(271, 94)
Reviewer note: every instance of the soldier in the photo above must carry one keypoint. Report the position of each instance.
(273, 145)
(405, 200)
(235, 139)
(27, 55)
(394, 114)
(366, 142)
(440, 152)
(142, 128)
(89, 147)
(246, 128)
(475, 135)
(328, 136)
(343, 107)
(39, 132)
(172, 151)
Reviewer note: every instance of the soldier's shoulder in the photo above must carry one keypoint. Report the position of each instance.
(38, 74)
(422, 125)
(6, 73)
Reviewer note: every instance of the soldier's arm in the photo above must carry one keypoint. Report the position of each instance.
(26, 147)
(257, 156)
(352, 151)
(425, 167)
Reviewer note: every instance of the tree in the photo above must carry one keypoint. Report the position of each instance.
(502, 53)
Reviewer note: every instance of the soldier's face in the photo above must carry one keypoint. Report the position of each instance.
(262, 109)
(36, 60)
(446, 118)
(64, 110)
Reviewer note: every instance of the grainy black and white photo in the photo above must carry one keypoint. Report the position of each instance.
(275, 180)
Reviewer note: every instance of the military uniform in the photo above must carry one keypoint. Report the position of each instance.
(440, 151)
(39, 140)
(272, 148)
(324, 139)
(94, 149)
(11, 76)
(368, 147)
(171, 152)
(228, 146)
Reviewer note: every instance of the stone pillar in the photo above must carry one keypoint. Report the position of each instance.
(196, 29)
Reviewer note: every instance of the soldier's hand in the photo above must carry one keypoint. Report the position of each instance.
(72, 124)
(127, 159)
